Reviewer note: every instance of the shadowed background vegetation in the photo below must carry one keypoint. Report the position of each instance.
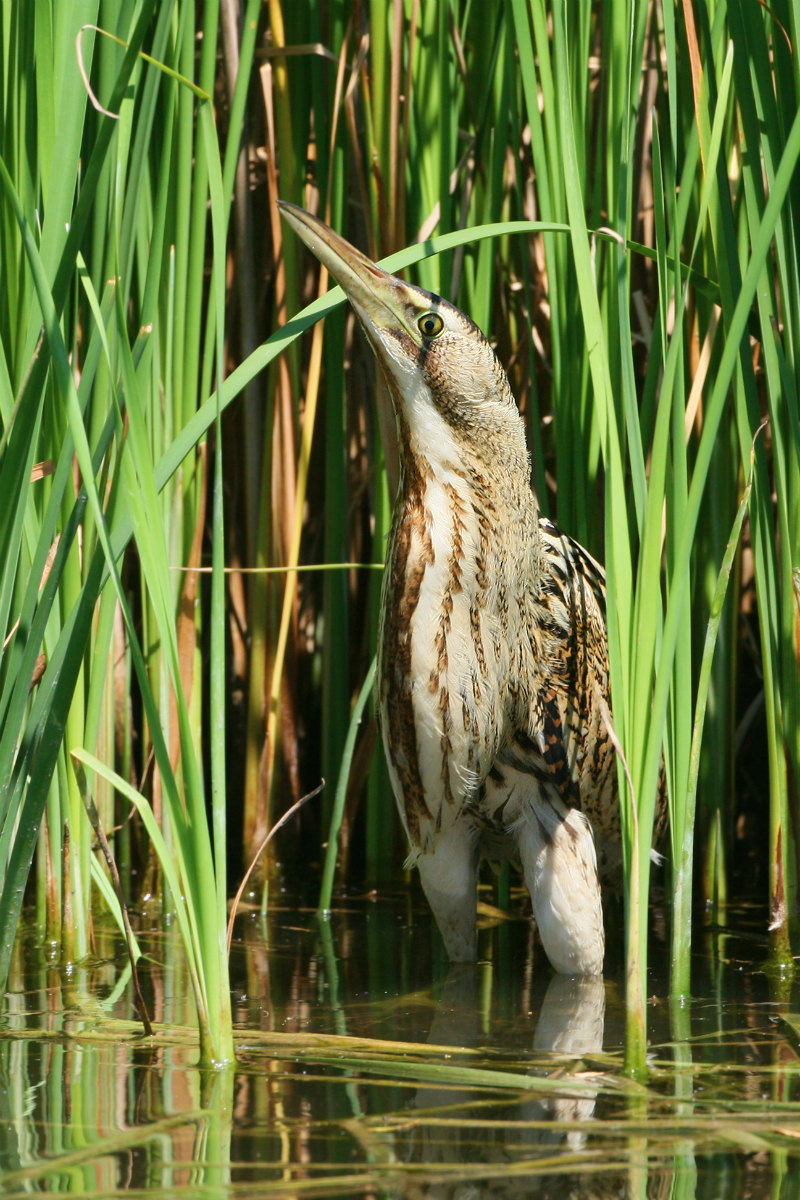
(638, 162)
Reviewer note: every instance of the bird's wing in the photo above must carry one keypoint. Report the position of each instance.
(574, 572)
(562, 737)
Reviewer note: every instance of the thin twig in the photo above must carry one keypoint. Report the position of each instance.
(148, 58)
(347, 566)
(290, 812)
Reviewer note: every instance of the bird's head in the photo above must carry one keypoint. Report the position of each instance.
(451, 396)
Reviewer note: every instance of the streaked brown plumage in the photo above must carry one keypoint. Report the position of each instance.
(493, 690)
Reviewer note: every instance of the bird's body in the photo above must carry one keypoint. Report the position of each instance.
(493, 692)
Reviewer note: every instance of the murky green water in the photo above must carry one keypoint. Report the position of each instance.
(89, 1107)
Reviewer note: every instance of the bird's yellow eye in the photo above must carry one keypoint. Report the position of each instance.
(430, 324)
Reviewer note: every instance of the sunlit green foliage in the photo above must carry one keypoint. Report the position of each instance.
(650, 322)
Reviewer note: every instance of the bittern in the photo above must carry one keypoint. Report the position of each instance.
(492, 689)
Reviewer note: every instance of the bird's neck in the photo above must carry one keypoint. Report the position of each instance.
(462, 528)
(457, 487)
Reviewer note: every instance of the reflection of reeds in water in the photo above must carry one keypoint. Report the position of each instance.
(89, 1106)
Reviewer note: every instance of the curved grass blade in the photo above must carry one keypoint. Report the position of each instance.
(329, 870)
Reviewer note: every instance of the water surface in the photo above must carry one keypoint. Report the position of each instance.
(368, 1067)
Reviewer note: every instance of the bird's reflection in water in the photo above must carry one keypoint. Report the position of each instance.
(570, 1024)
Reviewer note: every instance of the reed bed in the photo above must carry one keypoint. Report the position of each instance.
(612, 193)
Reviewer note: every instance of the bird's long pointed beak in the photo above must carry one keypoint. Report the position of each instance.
(375, 295)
